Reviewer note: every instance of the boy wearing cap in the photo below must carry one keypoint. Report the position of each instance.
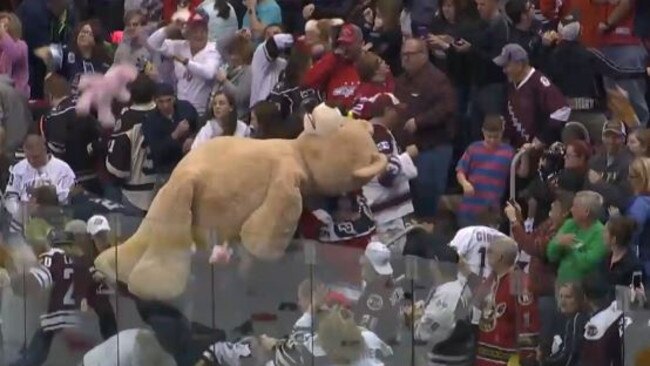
(196, 59)
(537, 110)
(609, 169)
(378, 307)
(389, 194)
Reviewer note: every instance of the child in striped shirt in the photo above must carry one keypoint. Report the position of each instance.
(483, 171)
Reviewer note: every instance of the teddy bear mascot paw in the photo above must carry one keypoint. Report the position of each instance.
(99, 92)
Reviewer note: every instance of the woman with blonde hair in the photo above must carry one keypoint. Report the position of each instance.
(639, 209)
(13, 52)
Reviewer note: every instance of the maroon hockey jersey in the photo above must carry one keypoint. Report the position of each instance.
(57, 273)
(536, 108)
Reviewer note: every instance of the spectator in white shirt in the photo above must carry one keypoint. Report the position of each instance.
(195, 59)
(223, 121)
(267, 64)
(223, 20)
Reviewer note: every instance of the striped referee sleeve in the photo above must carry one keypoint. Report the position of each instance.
(42, 276)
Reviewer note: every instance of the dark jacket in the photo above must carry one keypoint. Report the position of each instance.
(157, 129)
(614, 187)
(569, 352)
(487, 41)
(41, 28)
(620, 273)
(433, 108)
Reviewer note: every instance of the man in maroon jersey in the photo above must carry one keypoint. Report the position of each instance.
(536, 109)
(56, 273)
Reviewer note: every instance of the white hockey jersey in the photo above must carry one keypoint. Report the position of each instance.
(471, 244)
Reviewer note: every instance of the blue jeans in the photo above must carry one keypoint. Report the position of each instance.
(630, 57)
(431, 182)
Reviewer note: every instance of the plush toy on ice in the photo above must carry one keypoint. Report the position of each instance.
(99, 91)
(241, 190)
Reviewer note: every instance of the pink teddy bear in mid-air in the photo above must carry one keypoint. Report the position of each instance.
(99, 91)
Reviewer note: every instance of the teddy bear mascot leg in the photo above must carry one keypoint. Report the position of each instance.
(159, 271)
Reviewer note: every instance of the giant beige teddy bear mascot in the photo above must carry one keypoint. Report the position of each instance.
(245, 190)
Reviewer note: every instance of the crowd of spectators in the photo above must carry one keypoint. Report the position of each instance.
(518, 162)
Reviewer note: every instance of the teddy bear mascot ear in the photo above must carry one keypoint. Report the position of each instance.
(99, 92)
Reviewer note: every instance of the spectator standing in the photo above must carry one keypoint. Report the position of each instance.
(535, 245)
(50, 22)
(335, 73)
(71, 138)
(386, 36)
(169, 130)
(236, 78)
(195, 59)
(15, 121)
(483, 171)
(521, 14)
(133, 48)
(267, 122)
(509, 322)
(289, 95)
(431, 123)
(578, 247)
(13, 52)
(222, 23)
(619, 44)
(639, 142)
(639, 209)
(422, 14)
(268, 65)
(259, 15)
(537, 110)
(86, 54)
(487, 95)
(129, 159)
(621, 261)
(223, 121)
(608, 170)
(375, 78)
(389, 194)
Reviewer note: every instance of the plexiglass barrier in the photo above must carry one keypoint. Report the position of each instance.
(319, 304)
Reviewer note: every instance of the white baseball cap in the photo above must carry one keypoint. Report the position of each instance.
(97, 224)
(378, 255)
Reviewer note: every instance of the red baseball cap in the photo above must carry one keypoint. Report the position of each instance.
(350, 34)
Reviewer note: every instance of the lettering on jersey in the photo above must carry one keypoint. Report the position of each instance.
(345, 227)
(108, 204)
(544, 81)
(375, 302)
(383, 146)
(484, 236)
(344, 91)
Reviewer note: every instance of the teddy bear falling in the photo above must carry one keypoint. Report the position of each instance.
(247, 191)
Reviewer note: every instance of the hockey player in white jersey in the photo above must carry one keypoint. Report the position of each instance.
(471, 242)
(37, 169)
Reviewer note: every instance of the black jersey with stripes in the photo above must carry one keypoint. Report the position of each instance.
(58, 273)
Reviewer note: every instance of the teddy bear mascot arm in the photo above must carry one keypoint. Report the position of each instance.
(241, 190)
(99, 92)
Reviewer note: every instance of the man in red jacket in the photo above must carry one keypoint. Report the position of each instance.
(335, 73)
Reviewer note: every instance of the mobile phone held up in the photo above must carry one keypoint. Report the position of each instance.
(637, 278)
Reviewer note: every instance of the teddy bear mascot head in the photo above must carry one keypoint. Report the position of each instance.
(234, 189)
